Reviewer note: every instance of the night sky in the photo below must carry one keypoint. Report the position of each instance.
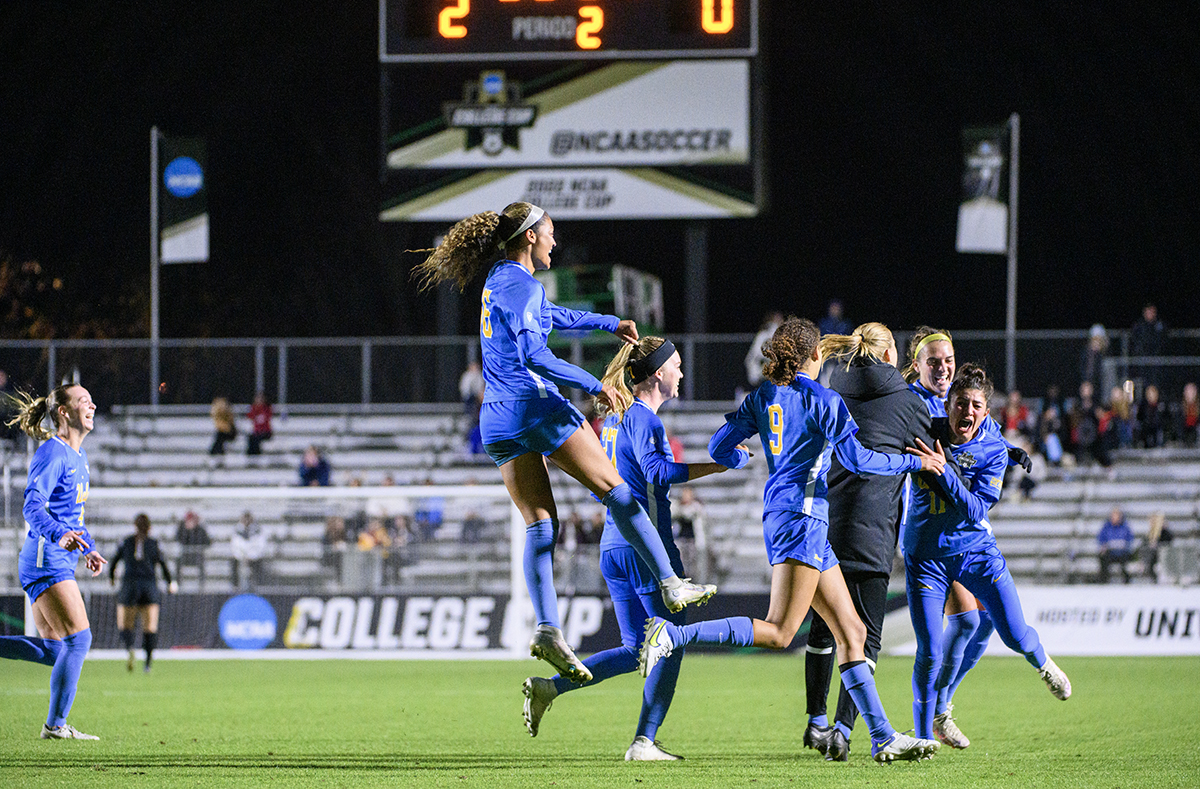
(864, 108)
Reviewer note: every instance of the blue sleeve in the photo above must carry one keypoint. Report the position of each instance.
(534, 354)
(577, 320)
(973, 502)
(44, 473)
(840, 429)
(739, 426)
(658, 468)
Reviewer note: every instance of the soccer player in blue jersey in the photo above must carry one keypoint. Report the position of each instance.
(801, 423)
(524, 418)
(644, 376)
(948, 538)
(54, 498)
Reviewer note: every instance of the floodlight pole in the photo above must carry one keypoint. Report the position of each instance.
(1010, 322)
(154, 135)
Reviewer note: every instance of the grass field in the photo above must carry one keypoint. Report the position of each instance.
(1132, 722)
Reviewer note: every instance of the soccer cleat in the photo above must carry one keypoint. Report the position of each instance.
(903, 748)
(1056, 680)
(839, 747)
(549, 645)
(646, 750)
(129, 662)
(65, 732)
(817, 737)
(539, 695)
(946, 730)
(687, 593)
(656, 645)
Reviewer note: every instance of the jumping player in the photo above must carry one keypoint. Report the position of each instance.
(800, 424)
(524, 418)
(54, 498)
(139, 596)
(948, 538)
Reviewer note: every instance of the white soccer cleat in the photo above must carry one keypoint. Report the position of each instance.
(646, 750)
(1056, 680)
(946, 730)
(656, 645)
(539, 695)
(65, 732)
(687, 593)
(903, 748)
(549, 645)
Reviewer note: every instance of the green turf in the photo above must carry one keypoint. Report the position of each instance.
(738, 719)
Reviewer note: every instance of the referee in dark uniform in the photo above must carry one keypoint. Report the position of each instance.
(139, 595)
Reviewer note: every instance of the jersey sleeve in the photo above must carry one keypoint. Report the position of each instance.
(534, 354)
(840, 430)
(973, 499)
(566, 319)
(658, 467)
(44, 474)
(739, 426)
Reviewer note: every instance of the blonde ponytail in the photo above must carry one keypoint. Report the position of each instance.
(619, 375)
(31, 412)
(868, 343)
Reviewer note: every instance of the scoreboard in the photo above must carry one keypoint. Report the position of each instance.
(593, 109)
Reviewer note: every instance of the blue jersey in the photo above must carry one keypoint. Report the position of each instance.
(800, 425)
(637, 446)
(58, 486)
(949, 513)
(515, 320)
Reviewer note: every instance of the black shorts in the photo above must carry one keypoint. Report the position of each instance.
(139, 593)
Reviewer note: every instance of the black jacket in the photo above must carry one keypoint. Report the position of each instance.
(865, 511)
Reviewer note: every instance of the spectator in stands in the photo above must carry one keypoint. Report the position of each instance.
(333, 545)
(314, 468)
(1187, 416)
(470, 390)
(376, 538)
(193, 542)
(1085, 420)
(1116, 545)
(689, 531)
(1091, 367)
(1050, 427)
(428, 514)
(1151, 419)
(676, 445)
(1158, 536)
(1119, 431)
(472, 527)
(223, 424)
(1148, 337)
(834, 322)
(260, 424)
(1015, 417)
(754, 357)
(248, 547)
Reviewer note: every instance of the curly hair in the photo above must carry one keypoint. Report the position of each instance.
(619, 376)
(32, 411)
(472, 244)
(972, 376)
(789, 348)
(868, 343)
(911, 374)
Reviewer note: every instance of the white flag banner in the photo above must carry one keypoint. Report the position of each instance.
(983, 214)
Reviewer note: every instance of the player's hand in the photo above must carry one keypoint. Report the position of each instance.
(609, 397)
(931, 459)
(173, 587)
(1020, 457)
(745, 449)
(95, 562)
(627, 331)
(73, 541)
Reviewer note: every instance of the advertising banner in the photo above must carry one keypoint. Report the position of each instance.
(983, 214)
(182, 200)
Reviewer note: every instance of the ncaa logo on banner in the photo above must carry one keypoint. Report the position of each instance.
(247, 621)
(183, 177)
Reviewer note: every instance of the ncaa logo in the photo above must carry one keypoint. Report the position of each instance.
(183, 177)
(247, 621)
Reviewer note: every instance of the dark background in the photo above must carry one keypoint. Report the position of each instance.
(864, 108)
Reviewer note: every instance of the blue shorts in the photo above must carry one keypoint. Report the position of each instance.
(794, 535)
(56, 565)
(628, 577)
(517, 427)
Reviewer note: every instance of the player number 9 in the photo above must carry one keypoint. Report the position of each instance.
(775, 415)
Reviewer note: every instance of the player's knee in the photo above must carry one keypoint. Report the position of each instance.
(777, 638)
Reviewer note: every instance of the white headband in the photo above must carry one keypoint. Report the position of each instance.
(535, 214)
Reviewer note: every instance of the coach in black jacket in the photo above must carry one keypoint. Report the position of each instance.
(864, 511)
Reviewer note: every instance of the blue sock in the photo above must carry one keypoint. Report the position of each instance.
(820, 721)
(736, 631)
(603, 665)
(859, 682)
(960, 628)
(64, 677)
(635, 527)
(35, 650)
(976, 646)
(844, 729)
(538, 561)
(658, 693)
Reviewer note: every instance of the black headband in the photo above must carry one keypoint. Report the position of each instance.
(646, 366)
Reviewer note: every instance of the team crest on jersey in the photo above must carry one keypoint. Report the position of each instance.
(966, 460)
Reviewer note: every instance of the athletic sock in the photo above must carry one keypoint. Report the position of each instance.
(960, 628)
(818, 672)
(603, 665)
(658, 693)
(976, 646)
(736, 631)
(538, 561)
(634, 525)
(820, 721)
(859, 682)
(126, 638)
(149, 642)
(64, 677)
(34, 650)
(843, 728)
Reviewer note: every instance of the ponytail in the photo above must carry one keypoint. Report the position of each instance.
(867, 344)
(31, 412)
(476, 242)
(620, 374)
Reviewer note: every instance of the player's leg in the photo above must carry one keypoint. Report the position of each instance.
(528, 485)
(926, 582)
(868, 591)
(61, 609)
(962, 624)
(975, 649)
(150, 631)
(583, 458)
(42, 650)
(126, 622)
(659, 690)
(819, 658)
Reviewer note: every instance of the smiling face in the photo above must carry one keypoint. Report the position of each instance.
(967, 409)
(669, 376)
(935, 367)
(79, 412)
(541, 243)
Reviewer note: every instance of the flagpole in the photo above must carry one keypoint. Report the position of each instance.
(154, 267)
(1010, 323)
